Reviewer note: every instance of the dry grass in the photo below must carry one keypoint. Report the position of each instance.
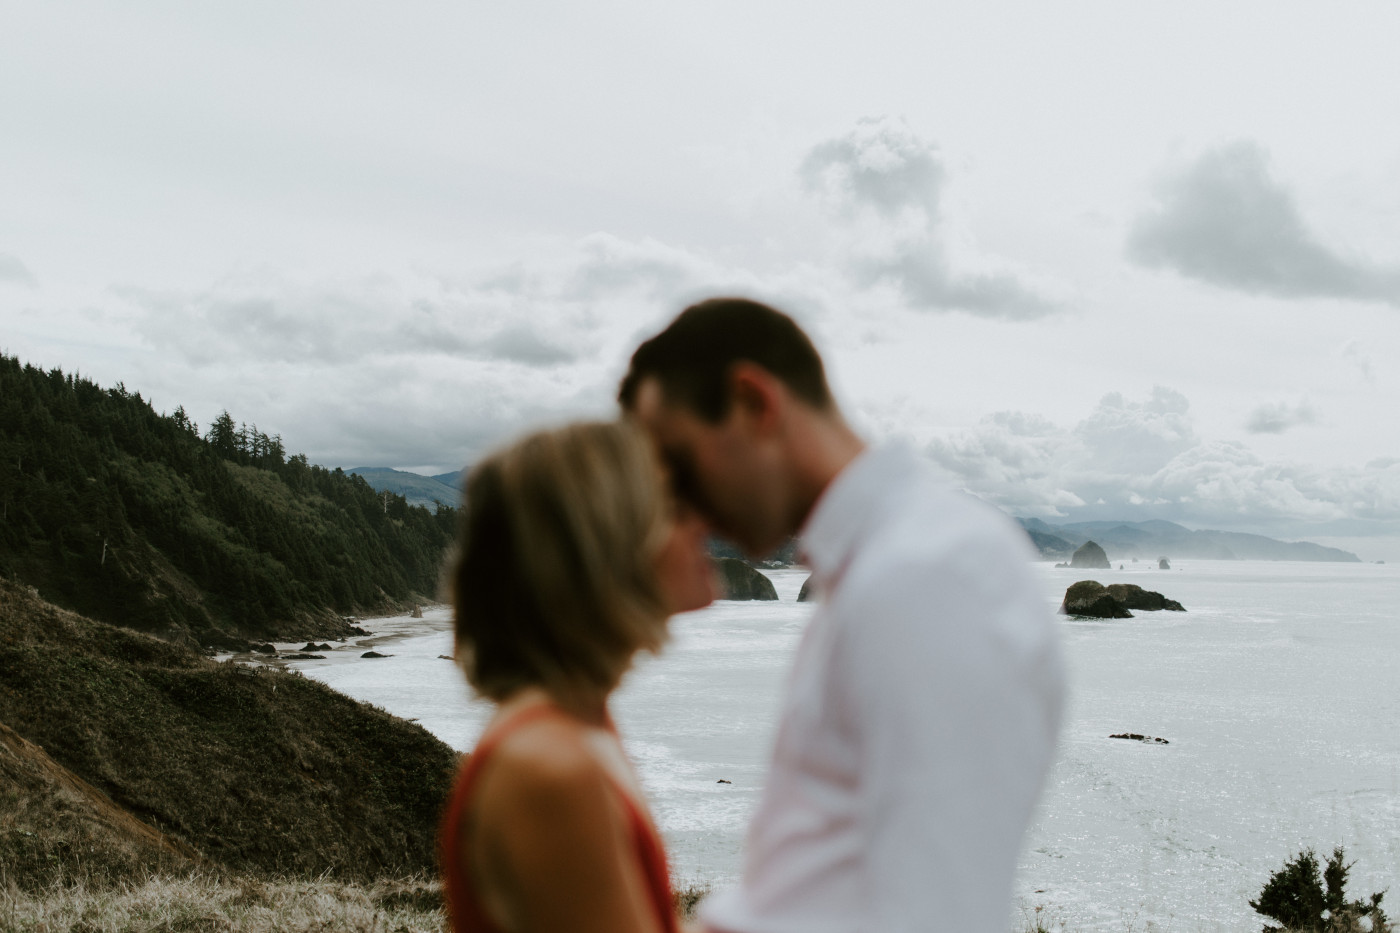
(210, 903)
(201, 903)
(261, 772)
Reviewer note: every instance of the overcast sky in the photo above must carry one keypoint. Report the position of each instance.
(1094, 259)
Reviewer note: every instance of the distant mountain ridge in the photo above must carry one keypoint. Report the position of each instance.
(1152, 539)
(1147, 540)
(427, 491)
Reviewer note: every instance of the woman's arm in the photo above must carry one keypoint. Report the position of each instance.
(553, 842)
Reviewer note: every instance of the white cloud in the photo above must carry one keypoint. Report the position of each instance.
(1225, 220)
(1278, 417)
(1140, 460)
(1126, 437)
(880, 165)
(884, 184)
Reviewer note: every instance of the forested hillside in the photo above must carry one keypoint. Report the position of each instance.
(130, 516)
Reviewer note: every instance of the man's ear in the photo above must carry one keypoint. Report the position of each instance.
(756, 396)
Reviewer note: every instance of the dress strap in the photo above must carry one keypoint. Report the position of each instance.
(466, 912)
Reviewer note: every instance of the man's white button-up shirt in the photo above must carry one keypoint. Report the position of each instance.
(918, 723)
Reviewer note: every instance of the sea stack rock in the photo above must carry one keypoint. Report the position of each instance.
(806, 595)
(1091, 598)
(1090, 557)
(738, 580)
(417, 613)
(1132, 596)
(1163, 564)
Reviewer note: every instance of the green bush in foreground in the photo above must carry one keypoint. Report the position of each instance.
(1306, 899)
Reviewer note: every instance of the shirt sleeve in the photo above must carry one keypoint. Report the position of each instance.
(953, 677)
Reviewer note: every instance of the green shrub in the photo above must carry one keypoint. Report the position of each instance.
(1305, 899)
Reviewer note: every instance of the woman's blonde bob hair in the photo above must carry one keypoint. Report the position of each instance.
(554, 583)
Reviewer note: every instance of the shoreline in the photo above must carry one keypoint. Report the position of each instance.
(384, 630)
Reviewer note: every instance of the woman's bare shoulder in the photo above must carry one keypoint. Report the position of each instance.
(548, 758)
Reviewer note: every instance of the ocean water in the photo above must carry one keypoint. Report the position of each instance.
(1278, 691)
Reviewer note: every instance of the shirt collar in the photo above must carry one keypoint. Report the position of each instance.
(850, 505)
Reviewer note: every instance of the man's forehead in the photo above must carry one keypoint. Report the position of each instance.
(665, 421)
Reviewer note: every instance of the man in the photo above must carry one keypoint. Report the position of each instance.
(921, 713)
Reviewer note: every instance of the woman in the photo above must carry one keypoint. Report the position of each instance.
(572, 558)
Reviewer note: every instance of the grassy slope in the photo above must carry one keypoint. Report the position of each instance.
(257, 771)
(54, 826)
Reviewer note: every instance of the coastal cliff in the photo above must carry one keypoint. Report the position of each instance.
(113, 510)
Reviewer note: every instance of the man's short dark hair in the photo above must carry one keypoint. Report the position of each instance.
(692, 358)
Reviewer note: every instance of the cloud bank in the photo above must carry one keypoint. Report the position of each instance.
(461, 361)
(884, 184)
(1225, 220)
(1136, 460)
(417, 369)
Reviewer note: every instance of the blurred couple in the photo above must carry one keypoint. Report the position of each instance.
(919, 718)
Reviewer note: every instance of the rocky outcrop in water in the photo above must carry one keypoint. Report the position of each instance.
(1090, 557)
(1092, 599)
(807, 593)
(1133, 596)
(1163, 564)
(740, 581)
